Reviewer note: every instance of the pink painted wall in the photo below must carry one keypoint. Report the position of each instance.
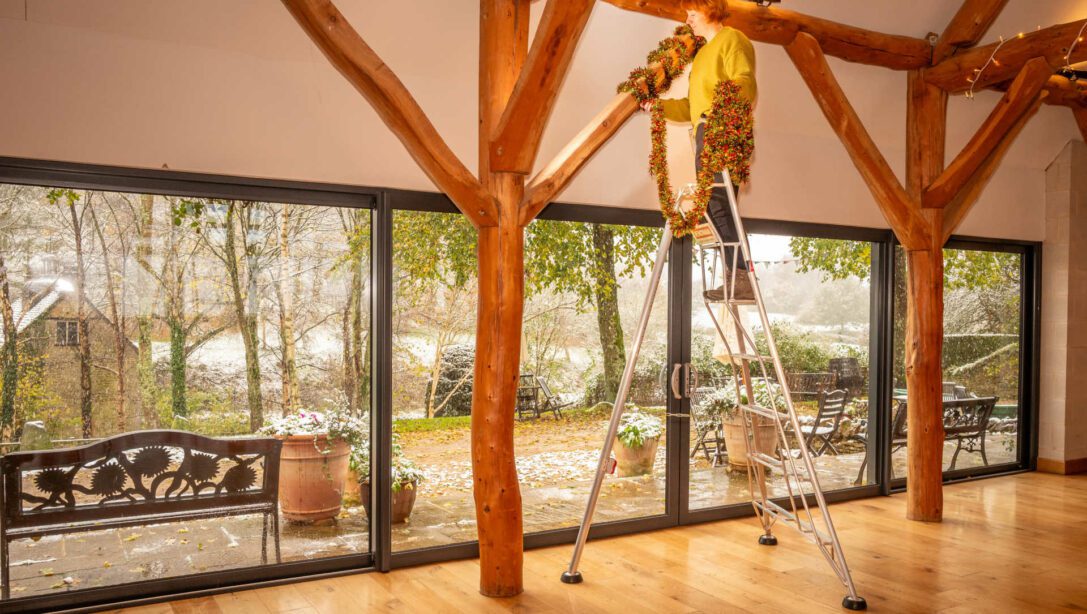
(235, 87)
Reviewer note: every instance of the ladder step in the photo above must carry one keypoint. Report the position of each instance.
(806, 529)
(766, 460)
(766, 412)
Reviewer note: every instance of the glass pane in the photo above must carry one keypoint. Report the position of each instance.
(817, 294)
(584, 284)
(981, 366)
(133, 312)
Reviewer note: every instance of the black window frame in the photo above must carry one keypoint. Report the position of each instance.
(382, 202)
(1030, 310)
(67, 333)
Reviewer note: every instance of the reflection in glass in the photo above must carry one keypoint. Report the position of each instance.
(584, 286)
(128, 312)
(816, 293)
(982, 311)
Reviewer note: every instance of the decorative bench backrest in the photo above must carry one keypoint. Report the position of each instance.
(144, 473)
(961, 417)
(967, 416)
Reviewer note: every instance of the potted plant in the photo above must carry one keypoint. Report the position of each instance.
(635, 445)
(406, 478)
(313, 463)
(722, 404)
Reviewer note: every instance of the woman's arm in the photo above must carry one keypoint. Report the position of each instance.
(676, 109)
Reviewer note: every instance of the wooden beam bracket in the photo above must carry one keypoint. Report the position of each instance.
(1015, 102)
(517, 137)
(897, 207)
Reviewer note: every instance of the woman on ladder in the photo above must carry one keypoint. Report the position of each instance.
(728, 55)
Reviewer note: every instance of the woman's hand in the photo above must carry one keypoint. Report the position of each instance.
(646, 106)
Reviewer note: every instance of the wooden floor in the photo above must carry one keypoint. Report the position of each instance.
(1010, 544)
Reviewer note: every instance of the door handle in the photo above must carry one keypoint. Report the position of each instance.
(676, 392)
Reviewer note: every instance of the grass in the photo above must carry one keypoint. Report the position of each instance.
(600, 411)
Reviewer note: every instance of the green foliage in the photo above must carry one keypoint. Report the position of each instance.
(636, 427)
(427, 425)
(834, 258)
(840, 259)
(798, 352)
(209, 412)
(560, 256)
(433, 249)
(35, 401)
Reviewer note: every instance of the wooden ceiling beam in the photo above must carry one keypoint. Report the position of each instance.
(1050, 43)
(362, 67)
(893, 201)
(780, 26)
(517, 138)
(967, 27)
(1019, 98)
(553, 179)
(955, 212)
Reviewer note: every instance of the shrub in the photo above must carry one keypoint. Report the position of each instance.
(458, 363)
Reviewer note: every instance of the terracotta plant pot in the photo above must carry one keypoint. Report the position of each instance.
(403, 500)
(736, 443)
(311, 483)
(352, 494)
(635, 461)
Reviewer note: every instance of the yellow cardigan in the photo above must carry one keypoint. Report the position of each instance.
(729, 55)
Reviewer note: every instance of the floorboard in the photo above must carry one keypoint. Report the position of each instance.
(1009, 544)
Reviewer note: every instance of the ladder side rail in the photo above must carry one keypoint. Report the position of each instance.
(818, 491)
(620, 402)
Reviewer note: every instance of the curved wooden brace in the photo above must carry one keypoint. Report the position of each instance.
(897, 207)
(517, 138)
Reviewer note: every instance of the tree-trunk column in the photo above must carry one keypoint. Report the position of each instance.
(498, 347)
(924, 381)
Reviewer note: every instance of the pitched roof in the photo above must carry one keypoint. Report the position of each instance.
(57, 289)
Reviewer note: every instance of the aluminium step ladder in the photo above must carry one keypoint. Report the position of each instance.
(798, 502)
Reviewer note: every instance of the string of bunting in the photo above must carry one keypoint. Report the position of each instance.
(728, 141)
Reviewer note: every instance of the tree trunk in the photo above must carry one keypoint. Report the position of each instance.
(117, 324)
(178, 367)
(86, 406)
(9, 356)
(358, 332)
(606, 296)
(145, 368)
(286, 317)
(247, 322)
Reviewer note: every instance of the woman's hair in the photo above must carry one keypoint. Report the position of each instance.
(714, 10)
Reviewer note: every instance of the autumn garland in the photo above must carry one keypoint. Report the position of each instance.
(728, 141)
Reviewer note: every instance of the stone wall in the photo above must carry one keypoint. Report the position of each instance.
(1062, 445)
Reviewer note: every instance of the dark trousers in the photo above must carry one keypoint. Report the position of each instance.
(720, 213)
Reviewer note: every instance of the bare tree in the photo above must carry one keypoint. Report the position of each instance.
(70, 200)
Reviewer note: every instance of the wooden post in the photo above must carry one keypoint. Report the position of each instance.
(503, 33)
(926, 124)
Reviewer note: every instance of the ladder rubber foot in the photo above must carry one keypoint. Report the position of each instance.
(770, 540)
(575, 578)
(854, 603)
